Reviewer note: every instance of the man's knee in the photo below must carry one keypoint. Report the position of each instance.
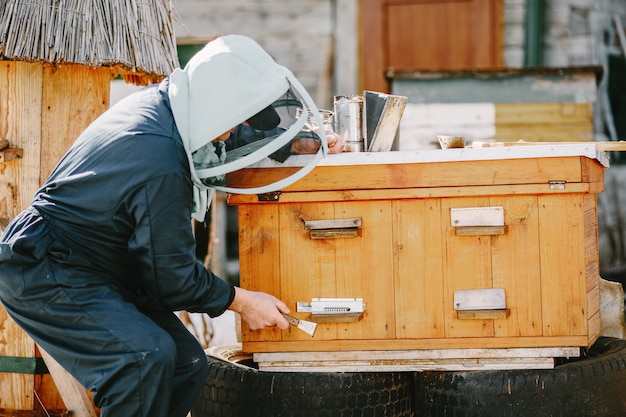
(193, 362)
(160, 355)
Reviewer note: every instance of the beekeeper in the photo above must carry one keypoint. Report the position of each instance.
(95, 267)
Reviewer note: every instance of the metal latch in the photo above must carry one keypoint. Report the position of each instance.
(556, 185)
(333, 309)
(271, 196)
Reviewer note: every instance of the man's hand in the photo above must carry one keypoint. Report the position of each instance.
(309, 146)
(259, 309)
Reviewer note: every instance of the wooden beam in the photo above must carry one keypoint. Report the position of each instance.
(74, 395)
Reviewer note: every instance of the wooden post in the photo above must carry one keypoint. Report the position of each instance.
(43, 109)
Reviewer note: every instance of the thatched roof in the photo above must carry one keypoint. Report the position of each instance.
(135, 37)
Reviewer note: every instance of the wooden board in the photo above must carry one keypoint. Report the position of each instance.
(439, 359)
(73, 393)
(418, 296)
(259, 264)
(309, 344)
(515, 258)
(415, 365)
(467, 265)
(563, 293)
(540, 122)
(408, 35)
(499, 122)
(42, 111)
(397, 176)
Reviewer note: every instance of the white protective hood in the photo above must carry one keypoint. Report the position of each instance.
(231, 79)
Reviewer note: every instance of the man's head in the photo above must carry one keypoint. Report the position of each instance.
(231, 80)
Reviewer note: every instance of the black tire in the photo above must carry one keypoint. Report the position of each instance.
(235, 388)
(590, 386)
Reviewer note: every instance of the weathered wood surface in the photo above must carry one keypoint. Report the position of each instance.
(414, 360)
(499, 122)
(73, 393)
(42, 111)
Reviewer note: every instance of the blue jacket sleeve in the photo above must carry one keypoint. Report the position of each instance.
(164, 245)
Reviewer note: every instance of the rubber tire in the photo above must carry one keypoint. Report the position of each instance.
(592, 386)
(234, 388)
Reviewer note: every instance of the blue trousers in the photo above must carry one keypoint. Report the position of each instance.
(137, 362)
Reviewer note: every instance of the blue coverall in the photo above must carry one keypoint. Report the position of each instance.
(94, 269)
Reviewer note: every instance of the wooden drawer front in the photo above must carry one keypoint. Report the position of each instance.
(407, 261)
(539, 262)
(360, 267)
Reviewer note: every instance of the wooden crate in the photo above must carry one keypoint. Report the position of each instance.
(408, 259)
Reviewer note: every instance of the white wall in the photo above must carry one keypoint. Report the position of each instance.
(315, 39)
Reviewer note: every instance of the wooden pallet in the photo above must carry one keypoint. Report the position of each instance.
(414, 360)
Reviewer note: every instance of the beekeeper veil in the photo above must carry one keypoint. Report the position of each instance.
(232, 80)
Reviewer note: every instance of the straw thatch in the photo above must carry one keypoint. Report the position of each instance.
(135, 37)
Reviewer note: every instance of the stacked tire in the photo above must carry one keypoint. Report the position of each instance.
(591, 386)
(236, 388)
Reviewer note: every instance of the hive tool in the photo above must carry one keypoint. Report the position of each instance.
(306, 326)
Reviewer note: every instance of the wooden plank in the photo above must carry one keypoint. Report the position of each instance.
(418, 271)
(482, 314)
(437, 174)
(409, 193)
(32, 413)
(309, 271)
(593, 310)
(370, 258)
(556, 132)
(416, 365)
(427, 354)
(467, 264)
(74, 395)
(259, 258)
(592, 172)
(595, 329)
(72, 97)
(24, 125)
(544, 121)
(543, 113)
(592, 254)
(20, 123)
(336, 318)
(592, 266)
(605, 146)
(373, 57)
(562, 260)
(479, 230)
(515, 258)
(402, 344)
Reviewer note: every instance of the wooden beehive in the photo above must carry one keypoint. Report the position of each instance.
(409, 258)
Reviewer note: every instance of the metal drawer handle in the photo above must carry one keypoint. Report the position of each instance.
(334, 228)
(474, 221)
